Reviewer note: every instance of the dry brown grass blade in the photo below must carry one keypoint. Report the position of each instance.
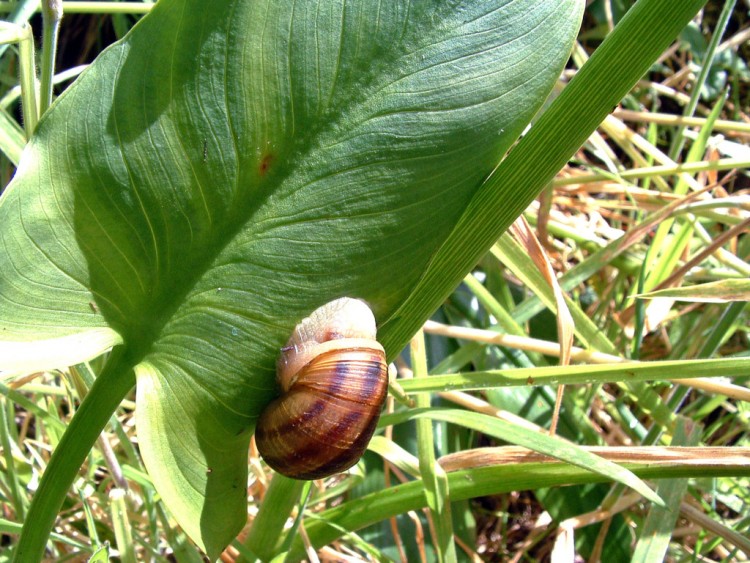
(706, 523)
(519, 342)
(712, 457)
(565, 327)
(723, 291)
(734, 128)
(478, 405)
(521, 230)
(309, 549)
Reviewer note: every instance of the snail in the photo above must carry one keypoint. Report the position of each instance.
(334, 380)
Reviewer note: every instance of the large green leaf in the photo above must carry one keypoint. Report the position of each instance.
(232, 165)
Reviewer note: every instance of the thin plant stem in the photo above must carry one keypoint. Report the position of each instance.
(94, 7)
(662, 170)
(29, 104)
(95, 410)
(52, 11)
(679, 139)
(13, 483)
(723, 125)
(281, 497)
(721, 329)
(434, 478)
(122, 526)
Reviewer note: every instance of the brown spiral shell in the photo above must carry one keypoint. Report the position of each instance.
(334, 380)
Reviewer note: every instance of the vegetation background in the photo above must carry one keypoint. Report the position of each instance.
(619, 220)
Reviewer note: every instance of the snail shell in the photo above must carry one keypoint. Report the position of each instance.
(334, 380)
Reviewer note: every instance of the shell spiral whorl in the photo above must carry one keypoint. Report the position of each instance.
(334, 380)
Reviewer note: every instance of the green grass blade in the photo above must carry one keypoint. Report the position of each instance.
(504, 319)
(433, 476)
(722, 329)
(626, 372)
(121, 525)
(13, 528)
(657, 530)
(621, 60)
(721, 25)
(666, 255)
(282, 495)
(17, 498)
(483, 481)
(542, 443)
(12, 138)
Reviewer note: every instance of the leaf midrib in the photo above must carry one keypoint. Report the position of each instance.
(141, 336)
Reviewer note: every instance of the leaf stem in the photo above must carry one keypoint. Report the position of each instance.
(105, 395)
(52, 12)
(281, 497)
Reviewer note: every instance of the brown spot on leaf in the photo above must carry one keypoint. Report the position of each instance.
(265, 164)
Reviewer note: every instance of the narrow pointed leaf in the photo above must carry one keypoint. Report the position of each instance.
(722, 291)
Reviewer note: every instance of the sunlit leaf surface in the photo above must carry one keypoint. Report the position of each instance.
(232, 165)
